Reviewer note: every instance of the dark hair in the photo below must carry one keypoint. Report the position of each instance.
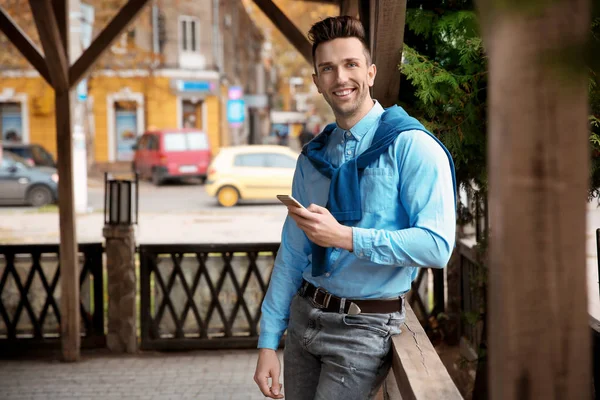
(338, 27)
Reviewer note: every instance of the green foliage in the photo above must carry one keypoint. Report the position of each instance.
(445, 81)
(594, 88)
(445, 84)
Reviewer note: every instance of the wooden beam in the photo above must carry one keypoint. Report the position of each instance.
(25, 46)
(387, 18)
(56, 57)
(419, 372)
(349, 7)
(105, 39)
(287, 27)
(538, 163)
(60, 8)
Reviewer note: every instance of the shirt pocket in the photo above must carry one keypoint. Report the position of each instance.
(377, 189)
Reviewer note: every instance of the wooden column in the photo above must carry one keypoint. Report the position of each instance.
(385, 26)
(53, 30)
(51, 19)
(349, 7)
(539, 338)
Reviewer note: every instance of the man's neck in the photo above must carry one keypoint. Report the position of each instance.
(351, 120)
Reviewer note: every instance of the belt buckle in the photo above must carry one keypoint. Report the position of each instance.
(354, 309)
(326, 299)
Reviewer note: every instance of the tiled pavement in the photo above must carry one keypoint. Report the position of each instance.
(199, 375)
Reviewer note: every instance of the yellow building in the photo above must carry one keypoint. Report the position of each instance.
(118, 105)
(172, 69)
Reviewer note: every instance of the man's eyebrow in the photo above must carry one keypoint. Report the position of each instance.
(353, 59)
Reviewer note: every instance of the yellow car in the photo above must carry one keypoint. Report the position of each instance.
(254, 172)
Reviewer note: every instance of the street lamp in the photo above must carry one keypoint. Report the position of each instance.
(120, 201)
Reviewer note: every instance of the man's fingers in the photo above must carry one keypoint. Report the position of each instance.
(313, 208)
(302, 223)
(263, 385)
(302, 213)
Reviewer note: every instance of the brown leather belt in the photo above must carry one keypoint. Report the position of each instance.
(325, 301)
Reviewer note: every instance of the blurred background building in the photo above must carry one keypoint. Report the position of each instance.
(216, 65)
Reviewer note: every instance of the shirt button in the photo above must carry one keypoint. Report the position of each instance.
(328, 274)
(349, 152)
(348, 135)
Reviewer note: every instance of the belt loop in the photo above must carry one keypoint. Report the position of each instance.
(342, 305)
(303, 288)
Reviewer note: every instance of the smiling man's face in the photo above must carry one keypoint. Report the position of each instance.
(344, 76)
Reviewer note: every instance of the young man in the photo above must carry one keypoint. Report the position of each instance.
(342, 271)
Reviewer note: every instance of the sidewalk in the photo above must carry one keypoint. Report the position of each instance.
(208, 226)
(198, 375)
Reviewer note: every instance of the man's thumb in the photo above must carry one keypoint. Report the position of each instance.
(276, 388)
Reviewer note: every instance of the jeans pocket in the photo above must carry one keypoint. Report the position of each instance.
(367, 323)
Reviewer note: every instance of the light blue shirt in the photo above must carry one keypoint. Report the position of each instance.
(408, 221)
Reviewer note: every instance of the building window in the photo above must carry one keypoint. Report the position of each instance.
(11, 122)
(188, 34)
(192, 114)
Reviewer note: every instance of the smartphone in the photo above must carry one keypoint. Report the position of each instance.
(289, 201)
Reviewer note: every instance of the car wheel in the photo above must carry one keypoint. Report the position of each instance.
(157, 180)
(39, 196)
(228, 196)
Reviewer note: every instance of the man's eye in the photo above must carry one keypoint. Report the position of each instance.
(326, 69)
(352, 65)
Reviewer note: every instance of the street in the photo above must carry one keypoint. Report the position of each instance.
(177, 197)
(173, 213)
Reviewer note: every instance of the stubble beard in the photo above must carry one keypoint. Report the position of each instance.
(347, 112)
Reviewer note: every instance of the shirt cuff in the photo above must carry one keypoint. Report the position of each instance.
(268, 340)
(362, 242)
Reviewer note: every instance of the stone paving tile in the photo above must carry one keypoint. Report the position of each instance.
(199, 375)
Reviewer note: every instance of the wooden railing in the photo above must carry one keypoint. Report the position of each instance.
(417, 371)
(30, 296)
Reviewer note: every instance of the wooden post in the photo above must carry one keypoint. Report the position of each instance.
(69, 265)
(349, 7)
(52, 31)
(539, 338)
(51, 19)
(386, 37)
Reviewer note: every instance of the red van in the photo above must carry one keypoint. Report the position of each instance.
(172, 153)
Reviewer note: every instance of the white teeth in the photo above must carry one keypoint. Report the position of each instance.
(343, 92)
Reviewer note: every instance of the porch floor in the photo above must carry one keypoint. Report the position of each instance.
(199, 375)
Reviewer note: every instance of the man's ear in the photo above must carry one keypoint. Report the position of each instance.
(315, 81)
(371, 73)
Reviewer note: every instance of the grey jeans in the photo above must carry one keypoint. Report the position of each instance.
(331, 356)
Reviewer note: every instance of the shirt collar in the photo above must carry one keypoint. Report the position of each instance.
(366, 123)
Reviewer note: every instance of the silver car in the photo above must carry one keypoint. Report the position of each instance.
(23, 184)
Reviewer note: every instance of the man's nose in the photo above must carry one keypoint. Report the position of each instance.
(342, 76)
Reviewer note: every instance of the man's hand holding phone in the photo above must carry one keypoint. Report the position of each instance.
(318, 224)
